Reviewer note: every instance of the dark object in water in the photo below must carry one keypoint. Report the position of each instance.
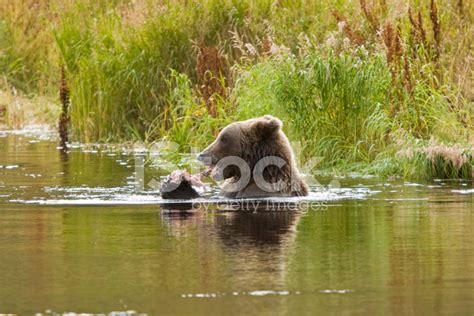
(179, 185)
(64, 117)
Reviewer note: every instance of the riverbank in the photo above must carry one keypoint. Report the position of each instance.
(431, 162)
(17, 111)
(371, 88)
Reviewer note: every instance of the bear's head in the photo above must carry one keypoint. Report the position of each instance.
(249, 140)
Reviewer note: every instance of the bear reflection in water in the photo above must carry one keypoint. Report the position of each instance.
(257, 228)
(237, 227)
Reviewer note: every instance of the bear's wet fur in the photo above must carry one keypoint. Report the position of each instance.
(252, 140)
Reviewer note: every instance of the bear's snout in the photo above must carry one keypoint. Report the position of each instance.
(205, 158)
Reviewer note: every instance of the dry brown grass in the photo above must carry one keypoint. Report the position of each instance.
(393, 44)
(212, 70)
(370, 16)
(417, 30)
(443, 161)
(352, 34)
(20, 111)
(436, 26)
(407, 81)
(460, 7)
(64, 117)
(394, 52)
(267, 44)
(3, 115)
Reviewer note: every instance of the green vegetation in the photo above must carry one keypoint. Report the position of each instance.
(372, 87)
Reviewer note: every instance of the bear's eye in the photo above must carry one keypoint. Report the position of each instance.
(224, 139)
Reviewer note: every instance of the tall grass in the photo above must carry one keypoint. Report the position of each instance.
(118, 74)
(354, 81)
(27, 51)
(336, 105)
(120, 59)
(120, 68)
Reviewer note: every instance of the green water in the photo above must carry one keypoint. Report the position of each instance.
(404, 248)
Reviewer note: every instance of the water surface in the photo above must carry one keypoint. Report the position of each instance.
(75, 236)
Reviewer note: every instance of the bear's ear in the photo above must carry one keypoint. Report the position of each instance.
(266, 126)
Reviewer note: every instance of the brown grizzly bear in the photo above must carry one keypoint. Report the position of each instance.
(255, 159)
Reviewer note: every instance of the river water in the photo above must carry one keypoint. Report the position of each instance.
(76, 236)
